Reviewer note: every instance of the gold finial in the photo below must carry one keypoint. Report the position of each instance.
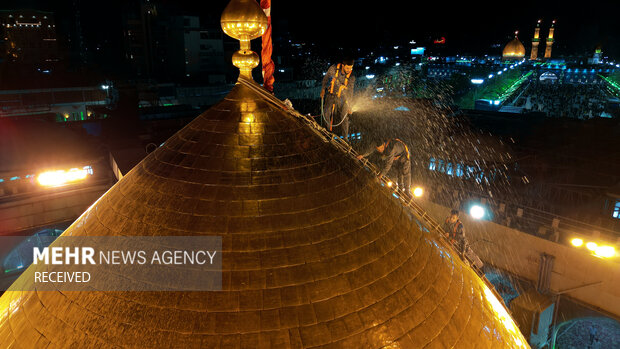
(244, 20)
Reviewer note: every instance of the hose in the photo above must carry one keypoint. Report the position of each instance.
(323, 116)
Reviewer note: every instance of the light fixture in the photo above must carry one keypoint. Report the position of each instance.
(605, 251)
(58, 178)
(418, 192)
(476, 211)
(577, 242)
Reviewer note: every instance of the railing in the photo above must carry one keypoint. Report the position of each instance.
(530, 219)
(43, 193)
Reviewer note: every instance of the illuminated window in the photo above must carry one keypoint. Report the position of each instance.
(440, 166)
(469, 172)
(616, 213)
(459, 170)
(431, 166)
(449, 168)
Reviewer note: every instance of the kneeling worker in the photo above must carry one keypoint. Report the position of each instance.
(396, 153)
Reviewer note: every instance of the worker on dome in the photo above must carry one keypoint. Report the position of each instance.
(395, 153)
(337, 95)
(455, 231)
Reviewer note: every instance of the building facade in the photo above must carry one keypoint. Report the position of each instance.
(28, 37)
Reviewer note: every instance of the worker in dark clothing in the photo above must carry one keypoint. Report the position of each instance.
(337, 95)
(455, 231)
(395, 153)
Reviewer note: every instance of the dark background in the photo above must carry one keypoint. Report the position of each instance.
(471, 27)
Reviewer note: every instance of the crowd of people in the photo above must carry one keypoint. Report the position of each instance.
(579, 101)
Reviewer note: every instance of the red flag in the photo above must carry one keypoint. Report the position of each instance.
(268, 66)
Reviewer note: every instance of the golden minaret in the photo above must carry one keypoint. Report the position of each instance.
(535, 42)
(550, 41)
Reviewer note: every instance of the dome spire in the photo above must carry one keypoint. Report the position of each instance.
(244, 20)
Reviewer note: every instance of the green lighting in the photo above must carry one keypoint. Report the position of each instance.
(12, 270)
(496, 89)
(613, 82)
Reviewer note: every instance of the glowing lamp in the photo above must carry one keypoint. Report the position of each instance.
(577, 242)
(605, 251)
(591, 246)
(389, 184)
(62, 177)
(418, 192)
(477, 81)
(476, 211)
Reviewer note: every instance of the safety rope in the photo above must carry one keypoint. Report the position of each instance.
(406, 148)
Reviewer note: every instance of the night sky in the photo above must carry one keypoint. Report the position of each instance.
(469, 26)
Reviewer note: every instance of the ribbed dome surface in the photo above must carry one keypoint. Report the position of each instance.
(316, 253)
(514, 49)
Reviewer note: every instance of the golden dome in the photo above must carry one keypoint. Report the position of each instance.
(514, 49)
(316, 253)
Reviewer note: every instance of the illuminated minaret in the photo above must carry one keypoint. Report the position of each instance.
(535, 42)
(549, 41)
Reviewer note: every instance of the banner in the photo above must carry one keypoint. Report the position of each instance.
(268, 66)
